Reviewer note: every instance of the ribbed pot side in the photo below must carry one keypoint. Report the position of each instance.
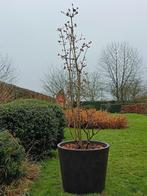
(83, 171)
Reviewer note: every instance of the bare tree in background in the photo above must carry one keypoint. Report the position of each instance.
(134, 90)
(142, 97)
(7, 76)
(120, 64)
(6, 70)
(94, 87)
(55, 80)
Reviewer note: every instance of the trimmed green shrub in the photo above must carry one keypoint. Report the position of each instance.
(12, 155)
(38, 124)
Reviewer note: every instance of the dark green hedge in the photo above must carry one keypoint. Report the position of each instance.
(12, 155)
(95, 104)
(38, 124)
(110, 106)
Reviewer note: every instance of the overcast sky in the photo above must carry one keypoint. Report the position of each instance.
(28, 32)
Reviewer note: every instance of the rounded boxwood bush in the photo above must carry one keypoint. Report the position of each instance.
(12, 155)
(38, 124)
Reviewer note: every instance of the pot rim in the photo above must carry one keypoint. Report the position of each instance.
(72, 141)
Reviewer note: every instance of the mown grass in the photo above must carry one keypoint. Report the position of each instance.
(127, 167)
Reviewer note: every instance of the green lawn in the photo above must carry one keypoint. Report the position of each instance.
(127, 166)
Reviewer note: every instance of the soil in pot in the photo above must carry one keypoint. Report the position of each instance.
(85, 145)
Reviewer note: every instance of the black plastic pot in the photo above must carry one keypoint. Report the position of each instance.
(83, 171)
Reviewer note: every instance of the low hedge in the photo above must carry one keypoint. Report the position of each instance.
(112, 108)
(12, 156)
(93, 104)
(140, 108)
(109, 106)
(38, 124)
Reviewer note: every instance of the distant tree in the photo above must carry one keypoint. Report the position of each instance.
(133, 90)
(120, 64)
(55, 80)
(142, 96)
(94, 87)
(6, 70)
(7, 75)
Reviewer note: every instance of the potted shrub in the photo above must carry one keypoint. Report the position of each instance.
(83, 162)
